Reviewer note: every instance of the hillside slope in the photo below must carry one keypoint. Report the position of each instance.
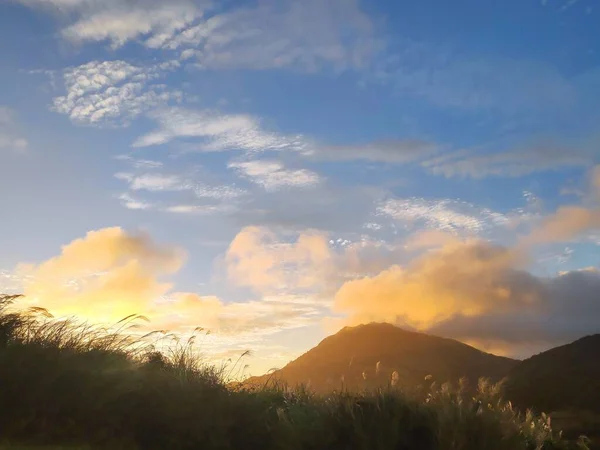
(350, 358)
(565, 377)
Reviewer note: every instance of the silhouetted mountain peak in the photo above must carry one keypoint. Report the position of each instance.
(365, 356)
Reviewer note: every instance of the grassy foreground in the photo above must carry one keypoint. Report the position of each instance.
(70, 385)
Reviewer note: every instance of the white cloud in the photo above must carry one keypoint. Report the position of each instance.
(154, 182)
(303, 35)
(445, 215)
(130, 202)
(136, 163)
(199, 209)
(113, 92)
(223, 192)
(216, 132)
(116, 21)
(392, 151)
(513, 163)
(272, 175)
(190, 194)
(10, 138)
(212, 131)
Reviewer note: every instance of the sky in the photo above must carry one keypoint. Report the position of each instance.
(274, 170)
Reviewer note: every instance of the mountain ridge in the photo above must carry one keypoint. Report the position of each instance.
(569, 372)
(367, 355)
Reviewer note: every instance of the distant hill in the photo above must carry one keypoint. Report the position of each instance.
(564, 381)
(565, 377)
(351, 357)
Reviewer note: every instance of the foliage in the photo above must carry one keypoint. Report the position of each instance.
(71, 385)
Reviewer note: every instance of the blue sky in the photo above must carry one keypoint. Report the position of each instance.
(254, 166)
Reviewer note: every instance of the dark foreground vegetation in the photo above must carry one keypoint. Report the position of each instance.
(70, 385)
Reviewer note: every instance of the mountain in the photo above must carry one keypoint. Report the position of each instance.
(564, 381)
(366, 356)
(565, 377)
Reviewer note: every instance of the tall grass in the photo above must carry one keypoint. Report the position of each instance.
(67, 383)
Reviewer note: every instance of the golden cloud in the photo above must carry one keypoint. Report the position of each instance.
(469, 279)
(426, 239)
(105, 276)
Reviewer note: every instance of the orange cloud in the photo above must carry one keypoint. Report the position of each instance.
(103, 277)
(109, 247)
(469, 279)
(426, 239)
(566, 223)
(572, 221)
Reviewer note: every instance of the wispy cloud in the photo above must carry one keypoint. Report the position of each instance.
(140, 163)
(113, 92)
(10, 137)
(154, 182)
(512, 163)
(199, 209)
(214, 131)
(568, 223)
(391, 151)
(324, 206)
(305, 36)
(448, 215)
(221, 192)
(130, 202)
(272, 175)
(187, 189)
(117, 22)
